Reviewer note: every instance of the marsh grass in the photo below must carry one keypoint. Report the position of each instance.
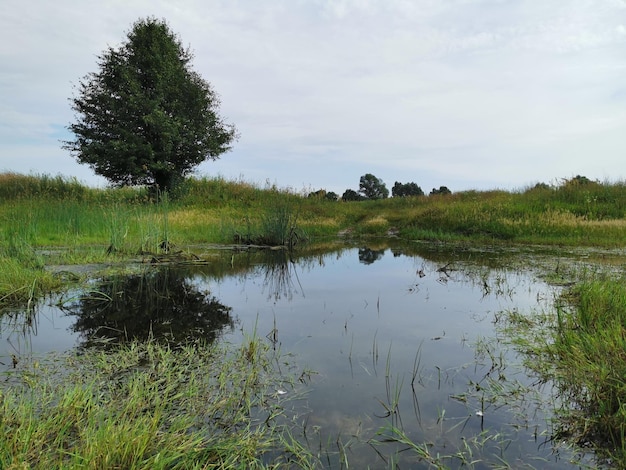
(61, 212)
(147, 406)
(17, 186)
(579, 348)
(396, 446)
(589, 353)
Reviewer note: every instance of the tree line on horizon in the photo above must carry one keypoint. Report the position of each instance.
(372, 188)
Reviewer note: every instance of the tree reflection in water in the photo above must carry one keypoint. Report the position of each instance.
(162, 304)
(368, 256)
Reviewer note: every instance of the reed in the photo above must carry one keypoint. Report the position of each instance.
(16, 186)
(280, 227)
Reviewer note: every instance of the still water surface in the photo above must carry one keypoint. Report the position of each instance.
(386, 336)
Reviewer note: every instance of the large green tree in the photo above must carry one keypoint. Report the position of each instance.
(372, 187)
(147, 118)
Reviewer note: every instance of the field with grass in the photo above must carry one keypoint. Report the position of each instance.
(41, 214)
(48, 221)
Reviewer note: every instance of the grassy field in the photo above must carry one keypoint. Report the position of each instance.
(53, 220)
(41, 213)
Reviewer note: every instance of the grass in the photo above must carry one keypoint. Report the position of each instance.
(148, 406)
(94, 225)
(580, 347)
(589, 351)
(61, 212)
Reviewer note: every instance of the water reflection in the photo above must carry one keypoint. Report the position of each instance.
(161, 303)
(404, 340)
(368, 256)
(281, 278)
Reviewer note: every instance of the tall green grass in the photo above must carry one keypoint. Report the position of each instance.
(580, 348)
(147, 406)
(15, 186)
(217, 211)
(94, 224)
(589, 351)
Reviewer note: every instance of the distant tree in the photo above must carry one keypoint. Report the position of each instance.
(372, 188)
(441, 190)
(147, 118)
(322, 194)
(539, 187)
(407, 189)
(579, 181)
(319, 194)
(351, 195)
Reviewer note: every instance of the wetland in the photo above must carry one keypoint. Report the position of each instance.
(471, 330)
(397, 353)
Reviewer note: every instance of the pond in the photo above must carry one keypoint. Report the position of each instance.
(393, 341)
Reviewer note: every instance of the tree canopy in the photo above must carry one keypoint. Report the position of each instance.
(406, 190)
(351, 195)
(442, 190)
(146, 117)
(372, 187)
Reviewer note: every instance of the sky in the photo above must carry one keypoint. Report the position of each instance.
(468, 94)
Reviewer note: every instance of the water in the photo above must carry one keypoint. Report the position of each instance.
(385, 337)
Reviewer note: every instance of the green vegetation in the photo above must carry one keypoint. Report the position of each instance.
(146, 117)
(71, 417)
(581, 349)
(406, 190)
(589, 350)
(147, 406)
(41, 213)
(372, 187)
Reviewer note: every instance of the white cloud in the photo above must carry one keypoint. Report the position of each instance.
(483, 92)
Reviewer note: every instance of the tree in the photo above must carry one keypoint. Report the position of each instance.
(147, 118)
(319, 194)
(442, 190)
(579, 180)
(372, 187)
(323, 194)
(351, 195)
(405, 190)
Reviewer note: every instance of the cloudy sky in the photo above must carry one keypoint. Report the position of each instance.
(470, 94)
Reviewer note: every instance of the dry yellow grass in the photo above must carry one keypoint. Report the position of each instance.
(318, 222)
(377, 221)
(564, 219)
(187, 218)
